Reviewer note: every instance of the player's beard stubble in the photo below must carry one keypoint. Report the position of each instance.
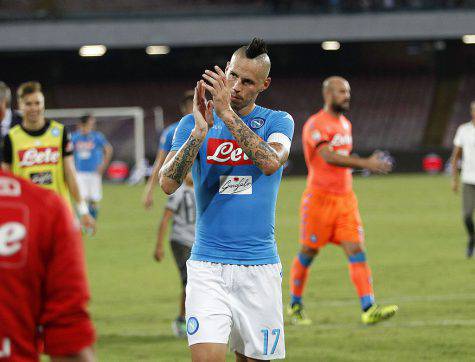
(341, 107)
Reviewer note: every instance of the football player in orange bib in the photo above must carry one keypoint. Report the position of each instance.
(329, 208)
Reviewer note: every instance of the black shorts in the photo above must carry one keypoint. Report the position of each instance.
(182, 254)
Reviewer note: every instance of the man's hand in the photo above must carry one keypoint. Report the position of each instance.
(202, 112)
(377, 164)
(101, 169)
(159, 253)
(147, 199)
(220, 90)
(88, 223)
(455, 186)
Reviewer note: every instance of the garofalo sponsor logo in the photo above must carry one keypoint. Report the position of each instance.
(226, 152)
(38, 156)
(235, 185)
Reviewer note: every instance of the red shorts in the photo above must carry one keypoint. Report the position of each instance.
(329, 218)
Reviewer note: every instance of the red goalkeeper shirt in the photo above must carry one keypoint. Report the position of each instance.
(43, 287)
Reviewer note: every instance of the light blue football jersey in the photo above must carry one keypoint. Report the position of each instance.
(235, 200)
(166, 137)
(88, 150)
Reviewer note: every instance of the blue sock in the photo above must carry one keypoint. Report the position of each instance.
(93, 210)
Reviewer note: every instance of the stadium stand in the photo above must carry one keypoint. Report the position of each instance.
(388, 112)
(76, 8)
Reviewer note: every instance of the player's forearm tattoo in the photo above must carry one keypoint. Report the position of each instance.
(180, 165)
(259, 151)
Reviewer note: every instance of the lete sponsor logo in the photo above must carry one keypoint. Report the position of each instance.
(226, 152)
(235, 185)
(38, 156)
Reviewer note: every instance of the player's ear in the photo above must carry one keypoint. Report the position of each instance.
(266, 84)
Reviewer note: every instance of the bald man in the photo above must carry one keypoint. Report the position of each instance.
(329, 209)
(236, 150)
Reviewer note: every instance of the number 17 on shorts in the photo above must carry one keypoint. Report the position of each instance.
(270, 343)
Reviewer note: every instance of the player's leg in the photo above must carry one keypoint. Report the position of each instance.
(349, 233)
(181, 253)
(94, 194)
(208, 352)
(241, 358)
(468, 207)
(298, 279)
(315, 232)
(257, 332)
(208, 314)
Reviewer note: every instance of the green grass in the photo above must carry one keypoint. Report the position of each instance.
(415, 243)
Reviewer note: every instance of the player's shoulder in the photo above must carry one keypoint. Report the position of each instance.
(55, 124)
(316, 120)
(465, 126)
(187, 119)
(274, 114)
(171, 128)
(15, 129)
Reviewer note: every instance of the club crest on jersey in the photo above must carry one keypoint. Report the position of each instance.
(235, 185)
(55, 132)
(257, 123)
(316, 136)
(226, 153)
(38, 156)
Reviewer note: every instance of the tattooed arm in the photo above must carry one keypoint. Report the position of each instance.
(178, 163)
(268, 157)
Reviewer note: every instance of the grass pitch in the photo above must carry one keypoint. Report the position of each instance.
(415, 243)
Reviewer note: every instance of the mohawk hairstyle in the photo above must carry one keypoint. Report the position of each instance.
(255, 48)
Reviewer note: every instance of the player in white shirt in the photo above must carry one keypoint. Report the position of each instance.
(181, 209)
(464, 149)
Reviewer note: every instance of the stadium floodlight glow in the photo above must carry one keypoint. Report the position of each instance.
(331, 45)
(468, 39)
(92, 50)
(157, 49)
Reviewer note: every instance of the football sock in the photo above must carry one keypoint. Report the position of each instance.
(298, 277)
(360, 275)
(469, 225)
(93, 210)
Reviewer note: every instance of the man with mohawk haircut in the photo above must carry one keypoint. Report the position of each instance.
(236, 151)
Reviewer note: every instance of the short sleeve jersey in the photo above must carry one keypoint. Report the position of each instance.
(321, 129)
(166, 137)
(235, 201)
(88, 150)
(42, 274)
(465, 139)
(183, 205)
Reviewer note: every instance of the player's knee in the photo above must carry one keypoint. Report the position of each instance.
(351, 248)
(311, 253)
